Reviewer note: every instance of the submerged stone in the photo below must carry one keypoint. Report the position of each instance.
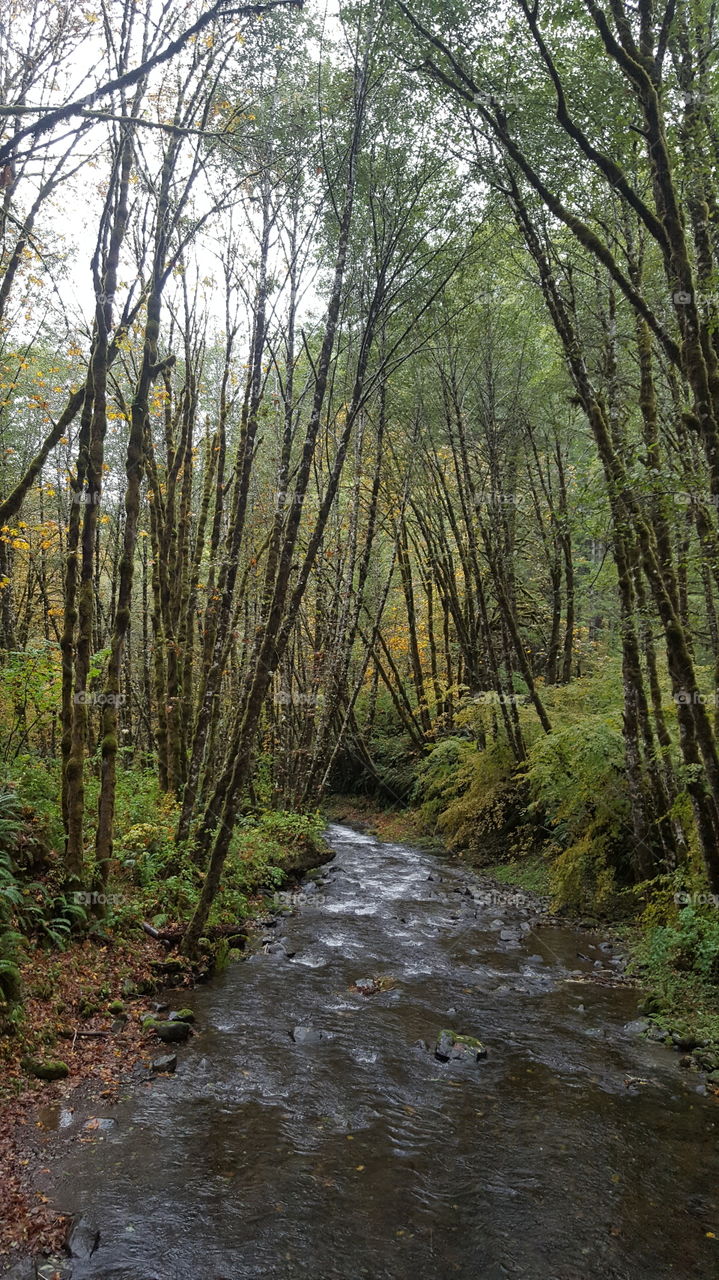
(167, 1063)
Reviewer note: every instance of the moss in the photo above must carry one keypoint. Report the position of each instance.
(470, 1041)
(10, 985)
(116, 1006)
(184, 1015)
(51, 1069)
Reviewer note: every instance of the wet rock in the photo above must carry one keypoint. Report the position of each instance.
(275, 949)
(452, 1011)
(686, 1043)
(635, 1083)
(421, 1044)
(167, 1063)
(658, 1035)
(53, 1269)
(525, 928)
(535, 959)
(606, 947)
(158, 1007)
(706, 1059)
(181, 1015)
(309, 1035)
(451, 1047)
(21, 1271)
(309, 888)
(508, 935)
(117, 1026)
(637, 1027)
(496, 924)
(367, 986)
(84, 1240)
(172, 1032)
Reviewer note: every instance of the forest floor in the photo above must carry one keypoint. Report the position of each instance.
(83, 1008)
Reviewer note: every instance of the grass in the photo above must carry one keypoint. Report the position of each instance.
(530, 873)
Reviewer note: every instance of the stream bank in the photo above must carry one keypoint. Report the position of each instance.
(310, 1128)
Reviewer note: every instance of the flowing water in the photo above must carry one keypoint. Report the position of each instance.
(359, 1154)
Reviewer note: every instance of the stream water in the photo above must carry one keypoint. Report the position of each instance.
(358, 1154)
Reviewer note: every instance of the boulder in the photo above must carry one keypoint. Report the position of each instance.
(83, 1241)
(51, 1069)
(686, 1043)
(167, 1064)
(452, 1047)
(637, 1027)
(172, 1032)
(706, 1059)
(309, 1035)
(181, 1015)
(658, 1035)
(367, 986)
